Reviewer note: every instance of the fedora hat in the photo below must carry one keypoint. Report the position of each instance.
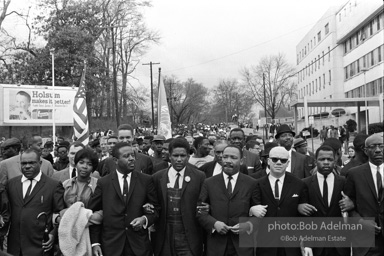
(283, 129)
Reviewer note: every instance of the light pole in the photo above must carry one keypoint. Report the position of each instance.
(52, 51)
(365, 101)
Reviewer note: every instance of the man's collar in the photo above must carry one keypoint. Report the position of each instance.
(173, 172)
(37, 177)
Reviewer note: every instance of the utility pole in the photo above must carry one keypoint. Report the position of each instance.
(170, 98)
(265, 109)
(153, 112)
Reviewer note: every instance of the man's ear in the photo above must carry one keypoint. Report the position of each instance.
(241, 161)
(114, 159)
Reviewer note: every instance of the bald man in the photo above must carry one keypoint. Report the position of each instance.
(278, 195)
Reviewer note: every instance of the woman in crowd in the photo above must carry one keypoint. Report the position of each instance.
(351, 154)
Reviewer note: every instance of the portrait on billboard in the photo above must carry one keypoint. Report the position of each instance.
(19, 108)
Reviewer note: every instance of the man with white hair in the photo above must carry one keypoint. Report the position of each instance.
(288, 192)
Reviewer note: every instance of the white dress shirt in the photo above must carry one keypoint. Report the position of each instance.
(172, 175)
(233, 180)
(70, 169)
(217, 170)
(272, 181)
(121, 180)
(26, 183)
(374, 171)
(330, 183)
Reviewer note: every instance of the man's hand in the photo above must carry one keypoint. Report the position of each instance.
(258, 210)
(96, 250)
(48, 245)
(241, 228)
(306, 209)
(137, 223)
(346, 204)
(148, 208)
(221, 227)
(203, 208)
(370, 225)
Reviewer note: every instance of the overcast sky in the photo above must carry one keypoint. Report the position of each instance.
(210, 40)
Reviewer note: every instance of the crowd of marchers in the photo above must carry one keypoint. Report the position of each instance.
(192, 195)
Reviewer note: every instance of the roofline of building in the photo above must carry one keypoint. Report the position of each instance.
(346, 102)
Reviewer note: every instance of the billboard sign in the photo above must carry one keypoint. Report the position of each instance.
(34, 105)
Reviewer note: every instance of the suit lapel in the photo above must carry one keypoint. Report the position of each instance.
(286, 187)
(237, 186)
(163, 185)
(116, 185)
(268, 189)
(336, 189)
(319, 196)
(19, 188)
(368, 177)
(187, 173)
(37, 187)
(132, 184)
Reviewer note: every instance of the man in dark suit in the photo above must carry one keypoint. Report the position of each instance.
(297, 164)
(278, 195)
(230, 196)
(143, 162)
(251, 160)
(31, 194)
(365, 187)
(325, 196)
(301, 146)
(216, 166)
(360, 156)
(121, 195)
(178, 188)
(264, 156)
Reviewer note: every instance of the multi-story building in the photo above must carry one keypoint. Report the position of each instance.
(343, 51)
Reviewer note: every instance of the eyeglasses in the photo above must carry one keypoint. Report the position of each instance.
(282, 160)
(380, 146)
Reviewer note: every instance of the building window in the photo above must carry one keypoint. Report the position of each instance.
(371, 28)
(319, 83)
(323, 81)
(372, 58)
(357, 67)
(319, 61)
(313, 87)
(323, 58)
(315, 64)
(329, 53)
(379, 54)
(330, 78)
(346, 72)
(319, 36)
(326, 28)
(378, 22)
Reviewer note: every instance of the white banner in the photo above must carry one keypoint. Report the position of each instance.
(23, 105)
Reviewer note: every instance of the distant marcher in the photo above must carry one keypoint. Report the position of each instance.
(360, 156)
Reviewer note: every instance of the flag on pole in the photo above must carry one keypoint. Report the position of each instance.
(80, 115)
(164, 119)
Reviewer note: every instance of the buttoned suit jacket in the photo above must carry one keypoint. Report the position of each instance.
(315, 198)
(252, 161)
(361, 189)
(117, 214)
(26, 231)
(189, 198)
(143, 164)
(63, 175)
(209, 167)
(292, 194)
(228, 209)
(11, 168)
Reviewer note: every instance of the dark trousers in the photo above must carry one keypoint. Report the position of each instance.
(230, 250)
(127, 248)
(176, 243)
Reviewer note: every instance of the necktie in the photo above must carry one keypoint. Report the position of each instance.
(325, 191)
(277, 194)
(73, 173)
(379, 182)
(28, 190)
(125, 186)
(229, 185)
(177, 185)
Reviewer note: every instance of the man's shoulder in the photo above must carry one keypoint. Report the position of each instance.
(14, 180)
(207, 165)
(10, 160)
(143, 157)
(293, 179)
(160, 173)
(194, 171)
(60, 173)
(359, 170)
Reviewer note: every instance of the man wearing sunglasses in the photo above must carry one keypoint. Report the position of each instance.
(278, 195)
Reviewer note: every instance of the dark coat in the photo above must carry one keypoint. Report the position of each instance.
(143, 164)
(227, 209)
(117, 214)
(209, 167)
(189, 199)
(26, 231)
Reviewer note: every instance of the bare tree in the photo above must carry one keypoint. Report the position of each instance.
(231, 98)
(279, 87)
